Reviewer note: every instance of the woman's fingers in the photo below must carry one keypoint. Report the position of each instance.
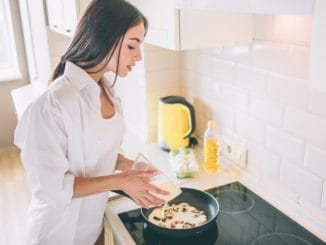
(142, 191)
(154, 200)
(156, 189)
(149, 200)
(145, 173)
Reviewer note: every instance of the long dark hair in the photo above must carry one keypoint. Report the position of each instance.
(98, 33)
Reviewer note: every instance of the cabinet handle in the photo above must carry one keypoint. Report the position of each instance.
(68, 30)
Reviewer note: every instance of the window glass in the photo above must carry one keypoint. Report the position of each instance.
(8, 55)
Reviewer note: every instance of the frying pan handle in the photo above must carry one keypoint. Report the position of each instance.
(122, 193)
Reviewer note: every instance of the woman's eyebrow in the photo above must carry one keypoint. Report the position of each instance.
(136, 39)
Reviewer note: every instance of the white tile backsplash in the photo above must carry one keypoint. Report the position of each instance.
(235, 97)
(288, 90)
(298, 62)
(270, 56)
(317, 102)
(240, 54)
(309, 127)
(250, 127)
(251, 79)
(262, 162)
(197, 86)
(302, 182)
(196, 61)
(323, 200)
(223, 71)
(285, 145)
(267, 110)
(315, 161)
(224, 116)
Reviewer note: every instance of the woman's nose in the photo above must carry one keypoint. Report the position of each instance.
(138, 56)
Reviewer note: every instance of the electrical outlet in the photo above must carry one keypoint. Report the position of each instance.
(235, 149)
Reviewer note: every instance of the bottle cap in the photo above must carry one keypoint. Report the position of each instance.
(211, 124)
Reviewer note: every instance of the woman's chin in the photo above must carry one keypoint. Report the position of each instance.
(123, 74)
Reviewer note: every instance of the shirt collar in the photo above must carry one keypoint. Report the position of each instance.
(78, 77)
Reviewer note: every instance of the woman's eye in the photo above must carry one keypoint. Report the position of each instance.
(131, 47)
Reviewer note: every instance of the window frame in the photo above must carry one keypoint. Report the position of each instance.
(35, 40)
(12, 72)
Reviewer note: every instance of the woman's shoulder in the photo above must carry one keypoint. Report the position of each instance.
(55, 98)
(61, 88)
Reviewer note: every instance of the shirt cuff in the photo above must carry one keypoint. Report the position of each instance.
(67, 189)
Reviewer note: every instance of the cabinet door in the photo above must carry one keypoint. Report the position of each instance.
(162, 19)
(205, 29)
(180, 29)
(55, 14)
(317, 73)
(69, 16)
(62, 16)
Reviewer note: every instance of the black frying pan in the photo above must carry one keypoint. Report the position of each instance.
(196, 198)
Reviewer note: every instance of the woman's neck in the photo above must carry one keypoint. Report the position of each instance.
(96, 73)
(96, 77)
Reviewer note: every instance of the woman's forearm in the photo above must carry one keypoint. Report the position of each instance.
(135, 183)
(85, 186)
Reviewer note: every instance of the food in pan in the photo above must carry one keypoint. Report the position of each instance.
(177, 216)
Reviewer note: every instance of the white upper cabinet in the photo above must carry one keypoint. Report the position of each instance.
(170, 19)
(317, 67)
(282, 7)
(62, 16)
(273, 7)
(178, 29)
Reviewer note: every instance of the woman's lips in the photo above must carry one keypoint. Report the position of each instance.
(129, 68)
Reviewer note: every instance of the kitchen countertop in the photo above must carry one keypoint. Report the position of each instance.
(227, 173)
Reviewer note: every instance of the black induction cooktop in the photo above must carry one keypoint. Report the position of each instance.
(244, 219)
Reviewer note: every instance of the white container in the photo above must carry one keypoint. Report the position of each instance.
(160, 180)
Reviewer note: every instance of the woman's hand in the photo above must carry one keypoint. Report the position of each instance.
(136, 184)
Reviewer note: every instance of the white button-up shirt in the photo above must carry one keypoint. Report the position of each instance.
(62, 135)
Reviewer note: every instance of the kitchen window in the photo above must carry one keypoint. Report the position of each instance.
(9, 69)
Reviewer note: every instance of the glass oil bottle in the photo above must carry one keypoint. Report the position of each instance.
(211, 148)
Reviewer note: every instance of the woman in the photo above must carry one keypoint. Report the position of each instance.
(70, 137)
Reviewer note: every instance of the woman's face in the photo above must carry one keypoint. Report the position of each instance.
(130, 51)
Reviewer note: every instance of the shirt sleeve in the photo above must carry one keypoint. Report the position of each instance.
(42, 138)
